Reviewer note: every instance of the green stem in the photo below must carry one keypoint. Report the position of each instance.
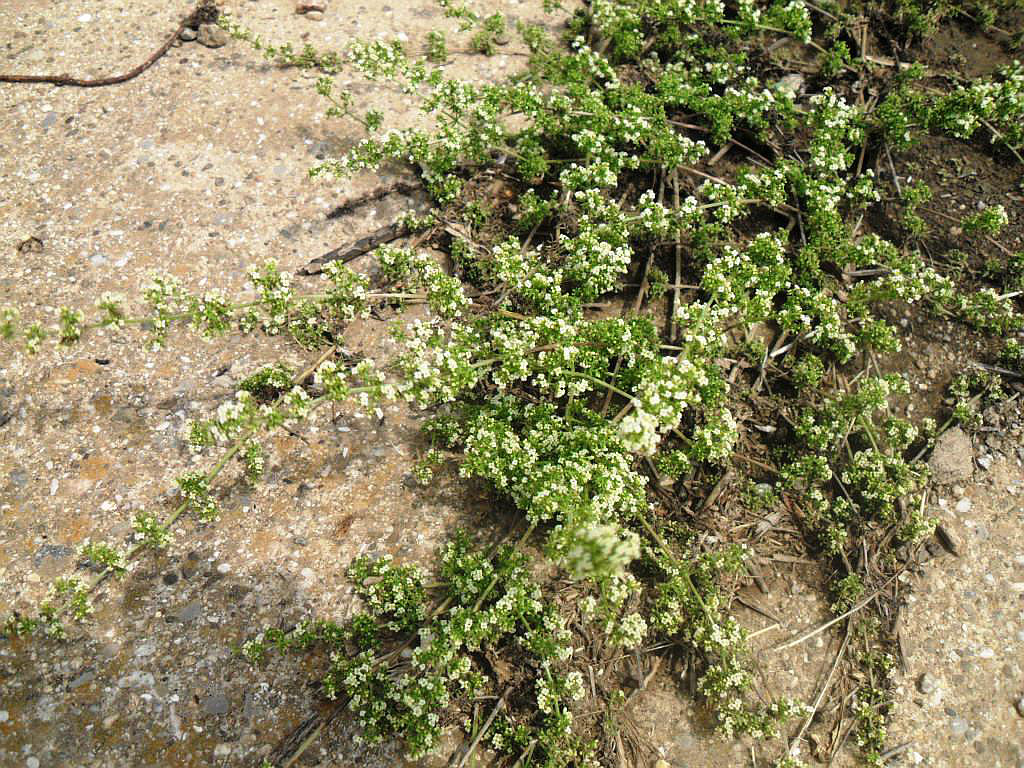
(683, 569)
(869, 429)
(212, 474)
(245, 305)
(494, 579)
(601, 383)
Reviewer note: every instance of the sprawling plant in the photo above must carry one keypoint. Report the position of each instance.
(597, 428)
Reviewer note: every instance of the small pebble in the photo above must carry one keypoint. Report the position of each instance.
(188, 34)
(963, 506)
(1020, 706)
(216, 704)
(985, 462)
(224, 568)
(32, 762)
(792, 84)
(190, 612)
(146, 649)
(926, 683)
(315, 15)
(211, 36)
(83, 679)
(958, 726)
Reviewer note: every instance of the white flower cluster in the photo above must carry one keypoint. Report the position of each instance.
(333, 380)
(672, 386)
(297, 404)
(404, 266)
(715, 439)
(275, 292)
(837, 126)
(600, 551)
(112, 306)
(378, 59)
(599, 253)
(997, 104)
(437, 365)
(596, 65)
(527, 275)
(748, 281)
(162, 295)
(818, 316)
(347, 298)
(630, 631)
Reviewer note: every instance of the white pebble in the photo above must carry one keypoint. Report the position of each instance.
(963, 506)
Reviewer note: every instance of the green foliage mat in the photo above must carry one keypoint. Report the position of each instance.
(716, 169)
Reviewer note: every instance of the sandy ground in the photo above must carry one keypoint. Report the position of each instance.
(959, 700)
(198, 167)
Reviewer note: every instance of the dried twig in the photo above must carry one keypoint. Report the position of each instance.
(750, 604)
(824, 690)
(526, 754)
(483, 730)
(645, 286)
(359, 248)
(717, 490)
(205, 12)
(893, 751)
(822, 627)
(655, 665)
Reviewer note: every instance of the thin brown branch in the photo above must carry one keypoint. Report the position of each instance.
(205, 12)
